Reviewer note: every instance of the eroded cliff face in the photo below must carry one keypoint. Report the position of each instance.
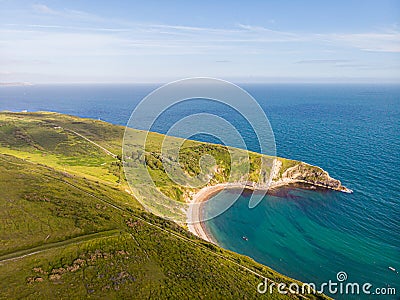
(312, 174)
(305, 173)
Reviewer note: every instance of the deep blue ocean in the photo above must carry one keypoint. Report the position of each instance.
(351, 131)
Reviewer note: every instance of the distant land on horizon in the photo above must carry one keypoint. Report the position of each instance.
(16, 84)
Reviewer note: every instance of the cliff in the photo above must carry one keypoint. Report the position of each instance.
(302, 172)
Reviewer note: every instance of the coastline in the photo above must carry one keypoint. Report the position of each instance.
(195, 212)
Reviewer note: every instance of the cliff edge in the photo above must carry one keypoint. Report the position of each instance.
(300, 172)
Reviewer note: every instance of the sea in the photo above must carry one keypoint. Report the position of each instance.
(350, 130)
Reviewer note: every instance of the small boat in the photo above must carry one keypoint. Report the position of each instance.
(393, 269)
(245, 238)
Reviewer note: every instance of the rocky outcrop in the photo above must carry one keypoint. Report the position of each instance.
(305, 173)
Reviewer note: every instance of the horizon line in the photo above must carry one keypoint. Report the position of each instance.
(344, 81)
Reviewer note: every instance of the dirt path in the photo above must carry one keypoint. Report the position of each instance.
(28, 252)
(76, 240)
(94, 143)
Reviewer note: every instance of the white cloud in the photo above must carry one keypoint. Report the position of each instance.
(240, 37)
(323, 61)
(44, 9)
(75, 41)
(386, 41)
(65, 13)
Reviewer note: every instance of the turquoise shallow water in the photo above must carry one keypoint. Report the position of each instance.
(303, 234)
(352, 131)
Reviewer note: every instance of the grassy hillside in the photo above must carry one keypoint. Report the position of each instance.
(73, 145)
(54, 140)
(70, 230)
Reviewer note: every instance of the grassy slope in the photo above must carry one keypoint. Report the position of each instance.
(48, 138)
(51, 139)
(89, 238)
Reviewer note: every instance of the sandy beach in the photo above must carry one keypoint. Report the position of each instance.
(195, 212)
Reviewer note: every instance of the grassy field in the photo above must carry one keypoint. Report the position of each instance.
(50, 139)
(70, 230)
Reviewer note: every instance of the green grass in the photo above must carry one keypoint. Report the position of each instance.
(286, 164)
(102, 245)
(71, 231)
(40, 205)
(47, 138)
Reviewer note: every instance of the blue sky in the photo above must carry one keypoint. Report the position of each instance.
(159, 41)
